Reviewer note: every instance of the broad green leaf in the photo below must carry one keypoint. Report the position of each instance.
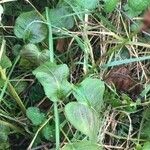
(4, 132)
(131, 13)
(146, 146)
(26, 64)
(60, 17)
(14, 9)
(110, 5)
(83, 119)
(138, 147)
(90, 91)
(48, 132)
(54, 80)
(29, 27)
(83, 145)
(32, 53)
(34, 114)
(5, 62)
(87, 4)
(16, 49)
(139, 5)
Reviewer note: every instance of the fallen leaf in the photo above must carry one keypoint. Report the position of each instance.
(146, 21)
(122, 79)
(62, 44)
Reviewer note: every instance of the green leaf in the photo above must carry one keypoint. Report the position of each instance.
(34, 114)
(60, 17)
(5, 62)
(138, 147)
(83, 119)
(16, 49)
(131, 13)
(54, 80)
(25, 64)
(90, 91)
(4, 132)
(28, 26)
(87, 4)
(110, 5)
(139, 5)
(146, 146)
(49, 132)
(32, 53)
(83, 145)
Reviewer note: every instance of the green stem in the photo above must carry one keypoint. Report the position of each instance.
(51, 49)
(57, 134)
(50, 38)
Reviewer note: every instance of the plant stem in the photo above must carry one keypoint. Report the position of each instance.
(57, 134)
(50, 38)
(51, 49)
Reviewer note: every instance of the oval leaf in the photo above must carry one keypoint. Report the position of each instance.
(139, 5)
(54, 80)
(61, 18)
(83, 119)
(91, 92)
(87, 4)
(110, 5)
(34, 114)
(146, 146)
(29, 27)
(34, 55)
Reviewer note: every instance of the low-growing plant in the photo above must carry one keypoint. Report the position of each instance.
(74, 99)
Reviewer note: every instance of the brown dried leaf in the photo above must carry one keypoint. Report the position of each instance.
(60, 45)
(146, 21)
(121, 78)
